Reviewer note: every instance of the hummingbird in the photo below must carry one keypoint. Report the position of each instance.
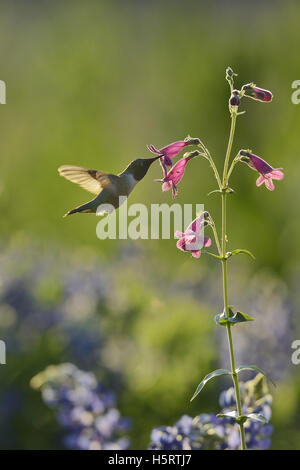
(107, 187)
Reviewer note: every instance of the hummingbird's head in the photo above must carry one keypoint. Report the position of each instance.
(139, 167)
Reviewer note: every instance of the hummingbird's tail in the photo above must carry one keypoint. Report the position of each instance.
(73, 211)
(85, 208)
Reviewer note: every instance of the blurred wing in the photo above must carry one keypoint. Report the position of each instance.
(91, 180)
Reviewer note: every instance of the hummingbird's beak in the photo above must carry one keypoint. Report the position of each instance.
(151, 160)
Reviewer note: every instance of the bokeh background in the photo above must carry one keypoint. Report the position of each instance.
(91, 83)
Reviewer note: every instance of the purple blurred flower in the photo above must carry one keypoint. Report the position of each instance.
(265, 297)
(193, 239)
(267, 173)
(256, 93)
(83, 407)
(207, 432)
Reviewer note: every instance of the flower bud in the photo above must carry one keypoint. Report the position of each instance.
(234, 99)
(256, 93)
(192, 140)
(195, 153)
(229, 73)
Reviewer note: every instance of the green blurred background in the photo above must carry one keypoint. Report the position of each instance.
(91, 83)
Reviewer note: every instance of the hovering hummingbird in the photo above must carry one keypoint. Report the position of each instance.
(107, 187)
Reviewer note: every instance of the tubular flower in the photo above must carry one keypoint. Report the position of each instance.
(256, 93)
(168, 152)
(193, 239)
(267, 173)
(173, 177)
(171, 151)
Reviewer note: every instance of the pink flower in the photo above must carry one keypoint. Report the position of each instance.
(171, 179)
(267, 179)
(169, 152)
(256, 93)
(193, 239)
(267, 173)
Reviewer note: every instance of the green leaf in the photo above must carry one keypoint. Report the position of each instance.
(233, 414)
(221, 319)
(241, 317)
(230, 414)
(246, 252)
(258, 417)
(214, 191)
(211, 254)
(241, 419)
(255, 369)
(215, 373)
(233, 318)
(223, 190)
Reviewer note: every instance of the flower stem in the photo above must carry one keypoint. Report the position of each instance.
(212, 224)
(236, 387)
(234, 162)
(208, 156)
(212, 163)
(225, 289)
(229, 147)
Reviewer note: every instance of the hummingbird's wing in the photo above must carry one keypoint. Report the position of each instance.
(93, 181)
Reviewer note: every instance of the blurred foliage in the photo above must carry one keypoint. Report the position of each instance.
(134, 334)
(91, 83)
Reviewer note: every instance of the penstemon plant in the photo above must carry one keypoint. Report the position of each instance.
(192, 240)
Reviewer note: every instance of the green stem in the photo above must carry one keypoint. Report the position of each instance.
(236, 387)
(225, 289)
(212, 224)
(234, 162)
(229, 147)
(212, 163)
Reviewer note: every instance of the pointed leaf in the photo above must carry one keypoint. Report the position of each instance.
(246, 252)
(234, 415)
(255, 369)
(241, 317)
(229, 414)
(205, 252)
(214, 191)
(233, 318)
(225, 190)
(258, 417)
(221, 319)
(215, 373)
(229, 190)
(241, 419)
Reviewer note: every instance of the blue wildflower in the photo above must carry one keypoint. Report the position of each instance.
(206, 431)
(83, 407)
